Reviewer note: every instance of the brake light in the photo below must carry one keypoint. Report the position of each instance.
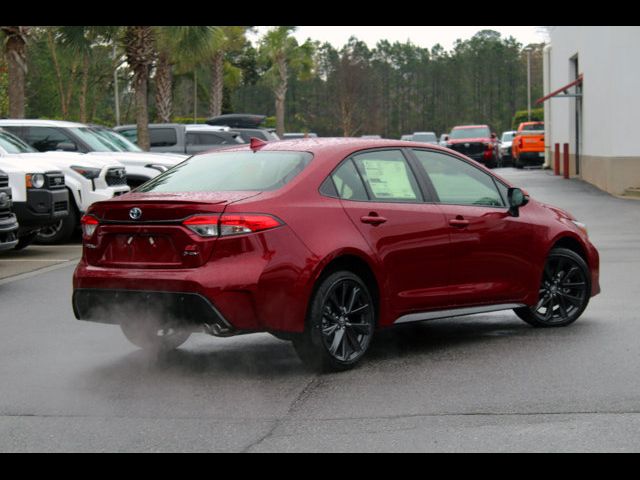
(230, 224)
(89, 224)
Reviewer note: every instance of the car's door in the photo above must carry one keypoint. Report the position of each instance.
(381, 195)
(490, 248)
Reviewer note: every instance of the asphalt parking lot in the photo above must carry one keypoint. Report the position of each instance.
(480, 383)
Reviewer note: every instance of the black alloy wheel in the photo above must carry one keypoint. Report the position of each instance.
(565, 291)
(340, 325)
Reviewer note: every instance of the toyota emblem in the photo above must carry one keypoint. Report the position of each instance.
(135, 213)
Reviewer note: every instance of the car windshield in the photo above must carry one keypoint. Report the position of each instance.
(533, 127)
(12, 144)
(461, 133)
(239, 171)
(507, 137)
(96, 142)
(117, 140)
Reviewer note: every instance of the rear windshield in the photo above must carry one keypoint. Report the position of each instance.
(219, 172)
(533, 127)
(459, 133)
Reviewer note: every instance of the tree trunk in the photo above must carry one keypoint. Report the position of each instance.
(217, 84)
(142, 111)
(56, 65)
(164, 82)
(17, 69)
(280, 94)
(84, 87)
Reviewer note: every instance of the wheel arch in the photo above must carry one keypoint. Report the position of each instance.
(355, 262)
(570, 243)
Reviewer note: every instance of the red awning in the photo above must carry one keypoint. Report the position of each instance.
(560, 90)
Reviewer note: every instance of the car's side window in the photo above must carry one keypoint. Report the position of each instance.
(348, 182)
(163, 137)
(388, 176)
(45, 139)
(131, 134)
(457, 182)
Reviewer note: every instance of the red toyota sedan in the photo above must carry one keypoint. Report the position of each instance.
(323, 242)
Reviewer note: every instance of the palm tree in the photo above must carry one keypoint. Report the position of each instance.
(140, 52)
(182, 48)
(281, 51)
(226, 39)
(15, 49)
(80, 40)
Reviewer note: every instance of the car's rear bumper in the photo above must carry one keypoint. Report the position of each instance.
(531, 158)
(188, 310)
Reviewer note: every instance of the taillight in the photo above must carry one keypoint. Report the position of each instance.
(89, 224)
(235, 224)
(230, 224)
(203, 225)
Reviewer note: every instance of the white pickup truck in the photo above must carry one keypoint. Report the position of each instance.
(92, 140)
(87, 179)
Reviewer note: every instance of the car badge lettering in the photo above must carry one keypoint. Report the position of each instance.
(135, 213)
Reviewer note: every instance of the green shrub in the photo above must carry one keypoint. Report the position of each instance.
(537, 115)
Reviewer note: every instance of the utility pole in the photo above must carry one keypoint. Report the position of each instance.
(115, 85)
(528, 50)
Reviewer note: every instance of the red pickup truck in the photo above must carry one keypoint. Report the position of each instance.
(476, 142)
(528, 144)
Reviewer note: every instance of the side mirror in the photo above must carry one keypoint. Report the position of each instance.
(66, 147)
(446, 138)
(517, 198)
(494, 136)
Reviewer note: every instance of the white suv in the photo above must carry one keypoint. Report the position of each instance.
(88, 179)
(95, 141)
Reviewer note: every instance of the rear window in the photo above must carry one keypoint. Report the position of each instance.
(219, 172)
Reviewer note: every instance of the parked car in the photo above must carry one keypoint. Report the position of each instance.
(371, 137)
(37, 189)
(406, 138)
(88, 177)
(505, 148)
(183, 139)
(293, 136)
(323, 242)
(247, 125)
(99, 143)
(425, 137)
(528, 144)
(476, 142)
(8, 221)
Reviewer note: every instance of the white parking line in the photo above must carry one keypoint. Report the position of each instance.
(54, 260)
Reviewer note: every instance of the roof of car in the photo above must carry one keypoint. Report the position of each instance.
(332, 145)
(470, 126)
(39, 122)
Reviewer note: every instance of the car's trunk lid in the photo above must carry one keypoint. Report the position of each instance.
(142, 230)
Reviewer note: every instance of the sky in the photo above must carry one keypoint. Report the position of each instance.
(421, 36)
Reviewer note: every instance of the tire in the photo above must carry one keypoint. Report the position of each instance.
(565, 291)
(61, 231)
(146, 332)
(340, 324)
(516, 163)
(24, 242)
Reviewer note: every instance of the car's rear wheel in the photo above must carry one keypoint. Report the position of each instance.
(565, 291)
(147, 333)
(340, 324)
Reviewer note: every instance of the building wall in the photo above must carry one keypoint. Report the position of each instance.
(610, 147)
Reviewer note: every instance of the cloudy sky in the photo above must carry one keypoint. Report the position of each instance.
(422, 36)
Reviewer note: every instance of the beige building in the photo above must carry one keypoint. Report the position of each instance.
(592, 102)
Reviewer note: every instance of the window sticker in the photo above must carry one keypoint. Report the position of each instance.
(388, 179)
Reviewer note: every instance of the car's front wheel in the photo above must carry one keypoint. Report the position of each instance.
(565, 291)
(340, 324)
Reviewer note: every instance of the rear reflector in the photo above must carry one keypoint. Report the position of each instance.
(230, 224)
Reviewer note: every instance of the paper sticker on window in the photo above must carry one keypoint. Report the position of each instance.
(388, 179)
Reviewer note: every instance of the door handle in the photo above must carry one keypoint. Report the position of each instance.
(373, 219)
(459, 222)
